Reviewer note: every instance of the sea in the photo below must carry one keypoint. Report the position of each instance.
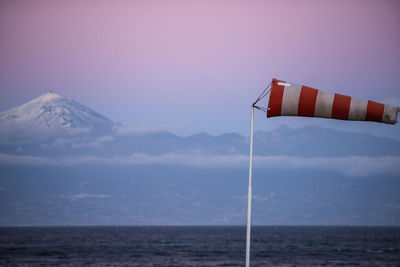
(199, 246)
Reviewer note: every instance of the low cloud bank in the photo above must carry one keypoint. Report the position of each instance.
(353, 166)
(84, 196)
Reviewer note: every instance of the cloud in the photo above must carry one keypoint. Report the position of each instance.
(83, 195)
(354, 166)
(84, 183)
(6, 159)
(17, 134)
(268, 197)
(130, 130)
(78, 142)
(96, 143)
(133, 130)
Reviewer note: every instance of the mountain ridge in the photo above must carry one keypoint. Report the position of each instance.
(52, 124)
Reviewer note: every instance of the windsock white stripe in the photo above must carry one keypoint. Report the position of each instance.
(358, 109)
(323, 105)
(290, 100)
(389, 114)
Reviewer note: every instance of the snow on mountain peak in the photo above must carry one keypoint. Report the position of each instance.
(51, 110)
(49, 96)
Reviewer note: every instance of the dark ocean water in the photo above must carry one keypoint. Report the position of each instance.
(199, 246)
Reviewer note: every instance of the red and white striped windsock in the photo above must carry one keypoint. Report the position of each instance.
(288, 99)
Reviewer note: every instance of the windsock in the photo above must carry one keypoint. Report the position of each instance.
(289, 99)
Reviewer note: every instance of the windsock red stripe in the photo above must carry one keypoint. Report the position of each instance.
(374, 111)
(308, 98)
(341, 107)
(276, 96)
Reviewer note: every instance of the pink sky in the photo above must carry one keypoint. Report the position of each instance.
(192, 66)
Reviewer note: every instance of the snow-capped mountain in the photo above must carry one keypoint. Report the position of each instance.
(55, 112)
(51, 116)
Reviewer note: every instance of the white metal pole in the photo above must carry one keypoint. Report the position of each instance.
(249, 192)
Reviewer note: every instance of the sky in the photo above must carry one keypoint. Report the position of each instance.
(196, 66)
